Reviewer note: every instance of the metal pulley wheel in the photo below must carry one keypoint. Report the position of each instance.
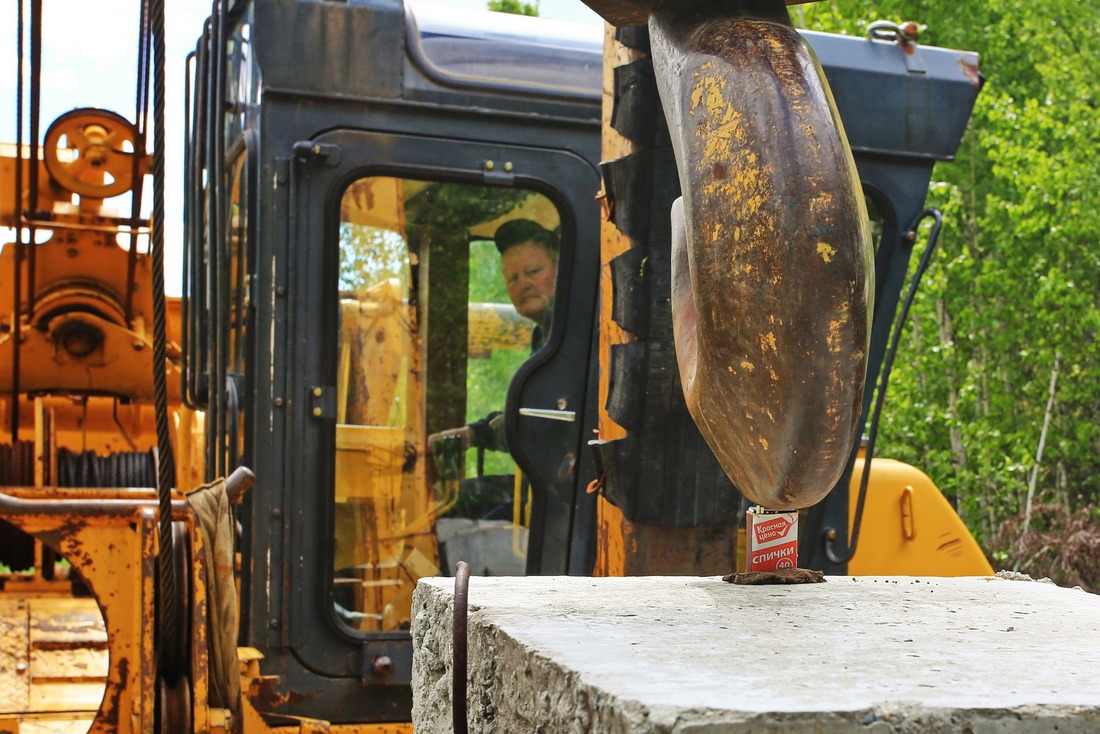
(99, 148)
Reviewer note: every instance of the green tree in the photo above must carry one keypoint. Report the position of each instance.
(996, 395)
(515, 7)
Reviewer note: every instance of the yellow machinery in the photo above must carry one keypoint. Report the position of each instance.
(337, 312)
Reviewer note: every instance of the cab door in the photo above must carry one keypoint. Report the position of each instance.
(403, 329)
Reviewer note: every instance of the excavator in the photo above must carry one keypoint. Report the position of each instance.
(215, 507)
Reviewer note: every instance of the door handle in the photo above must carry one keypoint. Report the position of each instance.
(552, 415)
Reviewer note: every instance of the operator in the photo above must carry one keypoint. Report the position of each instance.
(529, 264)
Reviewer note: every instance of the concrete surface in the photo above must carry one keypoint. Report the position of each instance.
(674, 654)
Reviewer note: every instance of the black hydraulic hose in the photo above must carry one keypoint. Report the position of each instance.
(884, 379)
(187, 387)
(459, 662)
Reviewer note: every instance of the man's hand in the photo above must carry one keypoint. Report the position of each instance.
(465, 433)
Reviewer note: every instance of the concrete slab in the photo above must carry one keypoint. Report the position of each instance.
(675, 654)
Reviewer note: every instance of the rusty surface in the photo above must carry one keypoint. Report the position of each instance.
(14, 645)
(631, 549)
(66, 624)
(382, 665)
(67, 509)
(779, 576)
(199, 620)
(772, 256)
(971, 72)
(113, 550)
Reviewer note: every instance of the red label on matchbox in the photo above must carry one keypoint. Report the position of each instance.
(773, 540)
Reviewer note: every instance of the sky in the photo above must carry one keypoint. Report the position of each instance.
(89, 59)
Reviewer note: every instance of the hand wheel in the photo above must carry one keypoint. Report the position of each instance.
(102, 145)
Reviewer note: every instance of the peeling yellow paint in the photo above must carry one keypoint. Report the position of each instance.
(763, 442)
(747, 365)
(767, 342)
(826, 251)
(821, 202)
(834, 337)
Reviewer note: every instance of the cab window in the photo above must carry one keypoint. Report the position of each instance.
(445, 289)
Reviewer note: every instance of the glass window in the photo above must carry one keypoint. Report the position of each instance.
(237, 262)
(877, 220)
(445, 289)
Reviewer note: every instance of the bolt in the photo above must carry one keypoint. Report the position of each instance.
(280, 291)
(382, 665)
(278, 402)
(20, 668)
(489, 165)
(508, 166)
(273, 624)
(317, 392)
(276, 512)
(317, 412)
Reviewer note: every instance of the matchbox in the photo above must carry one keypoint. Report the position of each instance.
(772, 539)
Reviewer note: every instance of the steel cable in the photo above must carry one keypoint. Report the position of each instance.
(167, 606)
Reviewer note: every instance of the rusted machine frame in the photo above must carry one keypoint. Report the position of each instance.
(110, 538)
(122, 534)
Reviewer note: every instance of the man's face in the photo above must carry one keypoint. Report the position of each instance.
(530, 273)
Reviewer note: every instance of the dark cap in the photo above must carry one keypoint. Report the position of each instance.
(518, 231)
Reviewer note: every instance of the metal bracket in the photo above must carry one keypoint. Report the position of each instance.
(905, 35)
(326, 153)
(498, 174)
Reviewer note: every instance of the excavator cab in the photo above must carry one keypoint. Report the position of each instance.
(346, 305)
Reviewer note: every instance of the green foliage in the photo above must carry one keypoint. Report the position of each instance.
(1014, 289)
(487, 379)
(516, 7)
(369, 255)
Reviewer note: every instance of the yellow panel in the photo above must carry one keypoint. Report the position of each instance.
(79, 665)
(369, 461)
(66, 696)
(909, 528)
(496, 326)
(66, 723)
(66, 621)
